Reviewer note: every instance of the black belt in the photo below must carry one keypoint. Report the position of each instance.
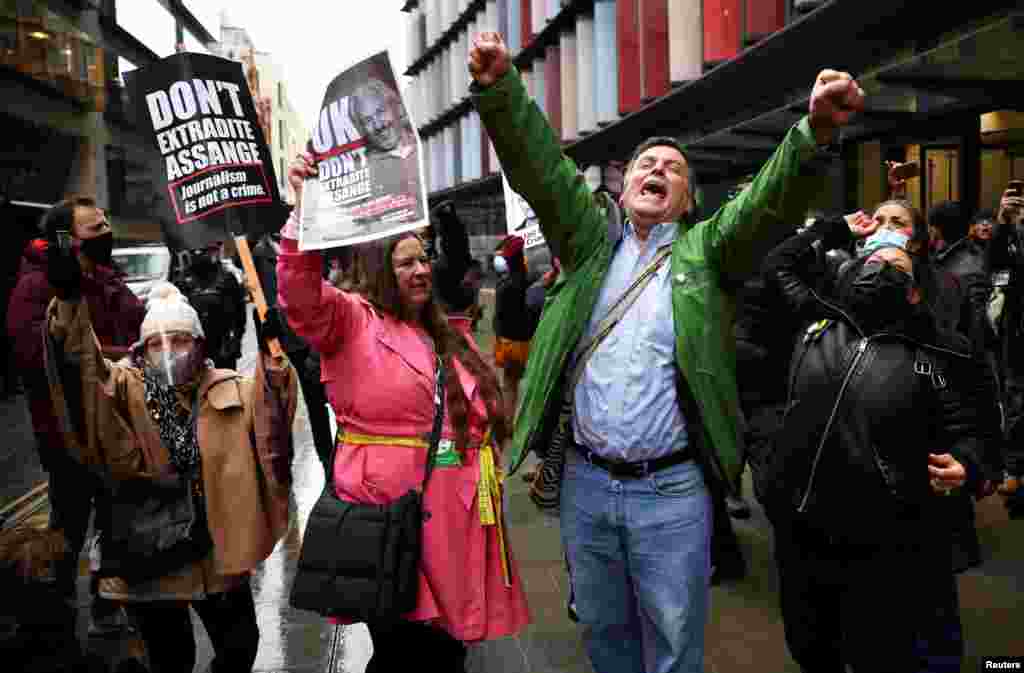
(637, 469)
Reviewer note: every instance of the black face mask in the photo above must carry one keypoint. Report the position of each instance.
(878, 294)
(99, 249)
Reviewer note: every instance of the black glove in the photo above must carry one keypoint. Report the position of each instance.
(63, 271)
(268, 329)
(834, 232)
(444, 209)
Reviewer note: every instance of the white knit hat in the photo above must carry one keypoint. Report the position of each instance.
(169, 311)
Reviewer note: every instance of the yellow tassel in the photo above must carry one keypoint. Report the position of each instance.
(489, 498)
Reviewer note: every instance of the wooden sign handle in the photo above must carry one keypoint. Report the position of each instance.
(253, 280)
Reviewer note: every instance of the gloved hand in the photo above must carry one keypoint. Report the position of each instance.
(232, 347)
(834, 231)
(444, 209)
(272, 327)
(63, 271)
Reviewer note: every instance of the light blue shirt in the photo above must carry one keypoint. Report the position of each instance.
(625, 405)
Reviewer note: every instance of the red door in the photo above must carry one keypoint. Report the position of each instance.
(763, 18)
(722, 23)
(628, 37)
(553, 90)
(525, 23)
(654, 19)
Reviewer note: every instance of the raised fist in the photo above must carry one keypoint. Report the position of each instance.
(488, 59)
(834, 99)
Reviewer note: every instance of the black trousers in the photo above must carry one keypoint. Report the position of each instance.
(855, 606)
(74, 491)
(726, 554)
(316, 404)
(405, 646)
(229, 619)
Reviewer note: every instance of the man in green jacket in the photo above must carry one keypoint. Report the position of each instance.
(655, 409)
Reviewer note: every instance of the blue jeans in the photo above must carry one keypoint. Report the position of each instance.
(639, 551)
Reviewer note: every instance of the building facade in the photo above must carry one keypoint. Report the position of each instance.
(728, 78)
(287, 132)
(68, 126)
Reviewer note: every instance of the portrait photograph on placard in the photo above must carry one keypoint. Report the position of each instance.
(367, 150)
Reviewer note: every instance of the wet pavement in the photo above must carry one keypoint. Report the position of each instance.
(744, 632)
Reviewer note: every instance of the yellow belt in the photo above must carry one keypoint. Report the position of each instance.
(381, 440)
(488, 488)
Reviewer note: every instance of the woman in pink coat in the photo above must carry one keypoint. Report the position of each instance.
(377, 348)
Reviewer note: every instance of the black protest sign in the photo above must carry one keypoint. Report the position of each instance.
(215, 166)
(370, 182)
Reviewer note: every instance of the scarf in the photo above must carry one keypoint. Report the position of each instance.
(173, 420)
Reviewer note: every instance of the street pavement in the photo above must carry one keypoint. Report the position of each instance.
(744, 632)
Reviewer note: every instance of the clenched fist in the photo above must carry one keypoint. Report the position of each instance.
(835, 97)
(488, 59)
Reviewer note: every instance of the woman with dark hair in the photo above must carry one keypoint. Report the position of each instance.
(378, 344)
(855, 500)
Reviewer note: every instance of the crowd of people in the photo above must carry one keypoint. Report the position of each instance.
(660, 356)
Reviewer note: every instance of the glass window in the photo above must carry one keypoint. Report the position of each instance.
(48, 47)
(143, 262)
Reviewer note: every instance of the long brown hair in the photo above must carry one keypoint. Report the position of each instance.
(377, 282)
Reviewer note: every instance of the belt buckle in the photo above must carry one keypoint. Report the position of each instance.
(637, 470)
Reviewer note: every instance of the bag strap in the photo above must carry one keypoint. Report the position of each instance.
(614, 315)
(435, 431)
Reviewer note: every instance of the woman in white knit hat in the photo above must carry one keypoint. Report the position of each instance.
(168, 419)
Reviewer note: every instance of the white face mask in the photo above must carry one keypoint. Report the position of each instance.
(500, 264)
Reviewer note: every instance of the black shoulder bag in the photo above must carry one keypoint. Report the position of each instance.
(361, 561)
(156, 526)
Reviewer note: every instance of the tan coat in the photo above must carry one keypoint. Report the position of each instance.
(244, 433)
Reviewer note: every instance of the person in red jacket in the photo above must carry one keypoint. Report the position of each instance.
(116, 316)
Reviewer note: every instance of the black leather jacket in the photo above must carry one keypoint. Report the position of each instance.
(865, 409)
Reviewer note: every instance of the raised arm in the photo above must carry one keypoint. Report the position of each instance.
(318, 312)
(738, 236)
(87, 390)
(799, 268)
(531, 155)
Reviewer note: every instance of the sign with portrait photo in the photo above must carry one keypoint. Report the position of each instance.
(520, 220)
(370, 182)
(214, 163)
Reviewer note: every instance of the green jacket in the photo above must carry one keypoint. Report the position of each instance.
(708, 258)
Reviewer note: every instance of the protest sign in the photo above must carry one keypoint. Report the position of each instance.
(214, 165)
(519, 217)
(370, 183)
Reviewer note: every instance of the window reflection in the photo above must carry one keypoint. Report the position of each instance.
(49, 48)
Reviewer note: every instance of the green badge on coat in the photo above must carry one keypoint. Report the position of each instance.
(447, 456)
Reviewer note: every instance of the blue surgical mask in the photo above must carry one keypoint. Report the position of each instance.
(500, 264)
(885, 238)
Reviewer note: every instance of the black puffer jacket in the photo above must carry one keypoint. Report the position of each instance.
(965, 261)
(865, 409)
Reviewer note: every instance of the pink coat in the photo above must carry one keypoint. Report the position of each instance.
(379, 376)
